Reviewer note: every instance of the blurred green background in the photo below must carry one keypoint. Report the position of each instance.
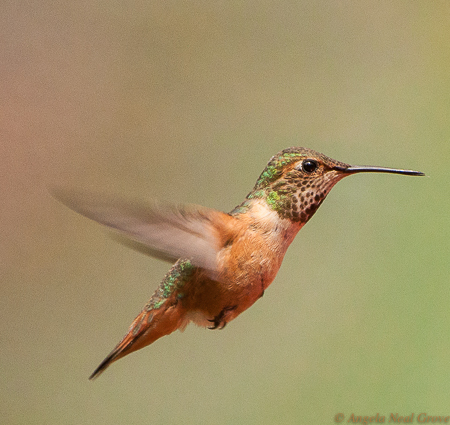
(186, 102)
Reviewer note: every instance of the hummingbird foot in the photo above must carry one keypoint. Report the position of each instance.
(219, 321)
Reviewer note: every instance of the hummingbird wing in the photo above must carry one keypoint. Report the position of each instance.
(191, 232)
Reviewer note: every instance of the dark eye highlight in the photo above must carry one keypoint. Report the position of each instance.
(309, 166)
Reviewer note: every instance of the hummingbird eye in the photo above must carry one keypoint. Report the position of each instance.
(309, 166)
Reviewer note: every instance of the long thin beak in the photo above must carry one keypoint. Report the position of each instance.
(369, 169)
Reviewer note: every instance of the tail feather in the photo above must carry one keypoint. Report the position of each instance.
(148, 326)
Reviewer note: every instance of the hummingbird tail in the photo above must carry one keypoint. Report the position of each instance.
(148, 326)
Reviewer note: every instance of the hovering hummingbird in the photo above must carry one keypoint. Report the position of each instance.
(223, 262)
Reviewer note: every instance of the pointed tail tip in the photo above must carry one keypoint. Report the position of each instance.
(97, 372)
(101, 368)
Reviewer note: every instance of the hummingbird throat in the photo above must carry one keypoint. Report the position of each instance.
(296, 198)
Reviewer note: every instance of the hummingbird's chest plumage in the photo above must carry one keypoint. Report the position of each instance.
(247, 264)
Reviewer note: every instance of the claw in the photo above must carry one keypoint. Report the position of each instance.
(218, 321)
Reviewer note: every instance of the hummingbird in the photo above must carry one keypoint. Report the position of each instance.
(223, 263)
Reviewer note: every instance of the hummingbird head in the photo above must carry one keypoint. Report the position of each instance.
(296, 181)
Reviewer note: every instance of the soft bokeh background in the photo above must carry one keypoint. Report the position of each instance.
(187, 101)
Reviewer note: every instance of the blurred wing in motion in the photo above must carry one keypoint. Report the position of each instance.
(191, 232)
